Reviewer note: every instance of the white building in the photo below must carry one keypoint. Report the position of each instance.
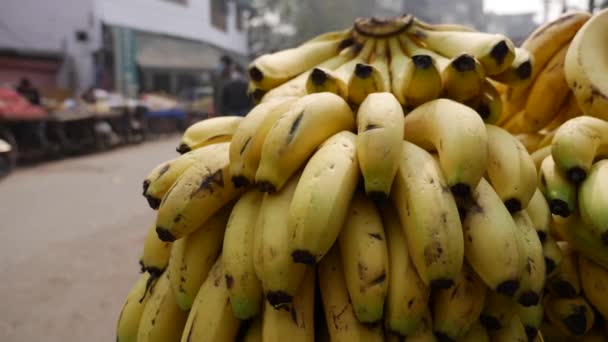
(153, 44)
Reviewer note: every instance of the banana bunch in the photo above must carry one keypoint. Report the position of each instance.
(327, 213)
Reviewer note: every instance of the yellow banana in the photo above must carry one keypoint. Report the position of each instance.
(244, 288)
(247, 141)
(458, 134)
(207, 132)
(161, 178)
(407, 296)
(424, 331)
(495, 52)
(566, 282)
(540, 215)
(211, 317)
(532, 280)
(162, 320)
(593, 200)
(497, 311)
(553, 256)
(198, 194)
(569, 110)
(510, 169)
(520, 70)
(491, 243)
(457, 308)
(193, 256)
(429, 214)
(581, 238)
(586, 69)
(339, 314)
(156, 253)
(398, 67)
(539, 156)
(365, 258)
(577, 143)
(254, 93)
(594, 281)
(379, 142)
(531, 317)
(280, 276)
(559, 192)
(320, 204)
(297, 133)
(530, 140)
(371, 78)
(489, 103)
(271, 70)
(572, 316)
(132, 309)
(254, 330)
(513, 331)
(476, 333)
(462, 78)
(295, 323)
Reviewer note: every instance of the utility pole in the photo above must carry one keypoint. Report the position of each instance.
(564, 6)
(591, 6)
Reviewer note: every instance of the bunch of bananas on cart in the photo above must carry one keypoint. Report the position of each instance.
(372, 194)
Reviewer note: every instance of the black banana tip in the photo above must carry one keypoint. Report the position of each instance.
(604, 237)
(483, 110)
(577, 322)
(183, 148)
(542, 236)
(164, 234)
(256, 74)
(461, 190)
(441, 337)
(490, 322)
(155, 272)
(422, 61)
(240, 181)
(378, 197)
(142, 267)
(549, 266)
(524, 70)
(363, 70)
(531, 332)
(499, 52)
(257, 94)
(559, 207)
(528, 298)
(153, 202)
(346, 43)
(279, 299)
(318, 76)
(441, 284)
(513, 205)
(576, 174)
(267, 187)
(508, 288)
(563, 289)
(303, 257)
(146, 185)
(464, 63)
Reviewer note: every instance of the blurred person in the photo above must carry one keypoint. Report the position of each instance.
(27, 90)
(35, 130)
(234, 93)
(220, 77)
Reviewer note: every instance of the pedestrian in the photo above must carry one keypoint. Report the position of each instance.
(235, 100)
(27, 90)
(220, 77)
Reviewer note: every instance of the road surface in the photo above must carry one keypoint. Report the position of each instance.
(70, 237)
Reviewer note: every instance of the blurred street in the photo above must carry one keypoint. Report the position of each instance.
(71, 233)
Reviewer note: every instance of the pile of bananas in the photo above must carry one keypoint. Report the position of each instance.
(370, 196)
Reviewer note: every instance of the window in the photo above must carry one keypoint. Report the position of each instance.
(219, 11)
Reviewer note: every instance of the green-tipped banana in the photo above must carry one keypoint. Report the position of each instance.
(559, 192)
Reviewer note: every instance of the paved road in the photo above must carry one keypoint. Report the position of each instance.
(70, 237)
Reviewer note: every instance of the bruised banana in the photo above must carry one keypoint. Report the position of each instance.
(572, 316)
(297, 133)
(207, 132)
(198, 194)
(320, 203)
(593, 200)
(429, 214)
(156, 253)
(379, 142)
(132, 309)
(559, 192)
(459, 136)
(163, 176)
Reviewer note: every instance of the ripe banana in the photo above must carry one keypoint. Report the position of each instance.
(297, 133)
(247, 141)
(540, 215)
(513, 331)
(520, 70)
(244, 288)
(429, 214)
(424, 331)
(271, 70)
(532, 280)
(510, 169)
(296, 322)
(398, 66)
(495, 52)
(476, 333)
(132, 309)
(407, 297)
(539, 155)
(569, 110)
(577, 143)
(161, 178)
(198, 194)
(559, 192)
(530, 140)
(161, 320)
(193, 256)
(497, 311)
(566, 282)
(586, 69)
(572, 316)
(320, 204)
(365, 258)
(379, 142)
(254, 330)
(531, 317)
(594, 281)
(553, 256)
(491, 243)
(211, 317)
(156, 253)
(280, 276)
(457, 308)
(371, 78)
(338, 308)
(581, 238)
(207, 132)
(442, 27)
(463, 78)
(593, 200)
(489, 103)
(459, 136)
(255, 94)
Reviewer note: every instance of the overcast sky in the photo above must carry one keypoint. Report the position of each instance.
(536, 6)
